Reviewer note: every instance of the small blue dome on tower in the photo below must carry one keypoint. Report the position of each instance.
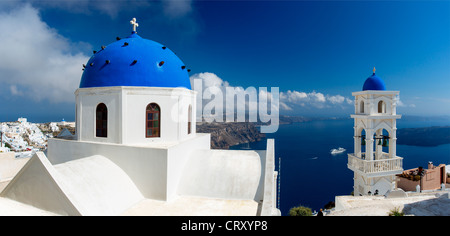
(134, 61)
(374, 83)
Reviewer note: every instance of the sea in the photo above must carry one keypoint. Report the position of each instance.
(311, 176)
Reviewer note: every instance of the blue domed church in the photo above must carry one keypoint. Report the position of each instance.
(134, 61)
(139, 92)
(136, 150)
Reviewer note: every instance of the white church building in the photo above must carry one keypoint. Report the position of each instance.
(136, 150)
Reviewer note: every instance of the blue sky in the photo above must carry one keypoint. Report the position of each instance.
(316, 52)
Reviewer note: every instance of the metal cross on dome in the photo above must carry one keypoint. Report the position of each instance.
(134, 23)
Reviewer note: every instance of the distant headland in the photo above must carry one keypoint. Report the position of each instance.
(224, 135)
(428, 137)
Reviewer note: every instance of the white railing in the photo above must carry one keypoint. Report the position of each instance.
(375, 166)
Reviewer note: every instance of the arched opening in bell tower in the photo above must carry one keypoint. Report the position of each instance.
(361, 107)
(363, 141)
(381, 107)
(381, 144)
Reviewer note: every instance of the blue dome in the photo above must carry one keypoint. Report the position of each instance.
(374, 83)
(134, 61)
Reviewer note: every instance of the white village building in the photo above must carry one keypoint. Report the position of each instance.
(136, 150)
(375, 128)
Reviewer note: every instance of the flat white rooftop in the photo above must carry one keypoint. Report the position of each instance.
(193, 206)
(182, 206)
(418, 205)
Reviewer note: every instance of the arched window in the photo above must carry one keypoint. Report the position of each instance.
(189, 119)
(361, 107)
(101, 119)
(381, 107)
(152, 123)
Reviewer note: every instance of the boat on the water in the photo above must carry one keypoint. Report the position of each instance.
(337, 151)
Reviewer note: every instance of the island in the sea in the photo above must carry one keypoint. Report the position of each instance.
(428, 137)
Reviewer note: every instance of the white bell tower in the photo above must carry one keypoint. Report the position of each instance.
(374, 161)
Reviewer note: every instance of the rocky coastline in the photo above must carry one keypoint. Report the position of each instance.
(226, 134)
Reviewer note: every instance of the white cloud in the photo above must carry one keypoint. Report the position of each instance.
(36, 61)
(209, 79)
(14, 90)
(349, 101)
(319, 97)
(401, 104)
(109, 7)
(302, 97)
(214, 92)
(285, 107)
(177, 8)
(290, 99)
(170, 8)
(294, 96)
(337, 99)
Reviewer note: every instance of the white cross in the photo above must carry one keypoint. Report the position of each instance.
(134, 23)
